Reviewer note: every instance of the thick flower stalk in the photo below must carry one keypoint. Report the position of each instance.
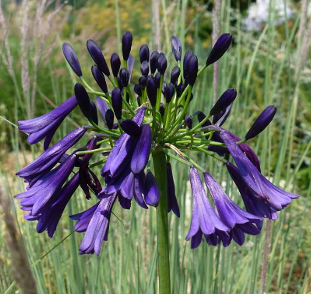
(141, 121)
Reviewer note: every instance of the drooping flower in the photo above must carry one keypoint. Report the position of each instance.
(256, 182)
(238, 220)
(172, 204)
(98, 227)
(151, 192)
(204, 219)
(50, 157)
(46, 125)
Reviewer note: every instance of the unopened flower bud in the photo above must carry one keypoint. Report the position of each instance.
(94, 115)
(137, 90)
(115, 64)
(142, 82)
(188, 121)
(162, 64)
(169, 92)
(72, 59)
(154, 61)
(144, 53)
(130, 127)
(185, 62)
(192, 70)
(152, 90)
(127, 40)
(83, 100)
(175, 74)
(162, 109)
(116, 99)
(219, 49)
(224, 101)
(109, 117)
(98, 57)
(261, 122)
(176, 48)
(125, 77)
(144, 68)
(157, 79)
(99, 78)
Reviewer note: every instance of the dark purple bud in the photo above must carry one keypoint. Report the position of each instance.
(137, 90)
(142, 150)
(224, 101)
(261, 122)
(98, 57)
(127, 40)
(154, 61)
(94, 115)
(180, 89)
(115, 126)
(130, 127)
(171, 196)
(152, 192)
(162, 63)
(142, 82)
(219, 49)
(164, 84)
(144, 68)
(144, 53)
(187, 57)
(83, 100)
(152, 90)
(192, 70)
(116, 99)
(130, 65)
(220, 118)
(120, 83)
(99, 78)
(157, 80)
(109, 117)
(162, 109)
(175, 74)
(72, 59)
(188, 121)
(176, 48)
(115, 64)
(201, 116)
(125, 77)
(169, 92)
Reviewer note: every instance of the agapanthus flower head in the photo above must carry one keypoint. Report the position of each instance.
(127, 40)
(176, 48)
(152, 123)
(72, 59)
(144, 53)
(261, 122)
(98, 57)
(219, 49)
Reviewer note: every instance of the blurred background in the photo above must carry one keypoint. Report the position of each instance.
(268, 63)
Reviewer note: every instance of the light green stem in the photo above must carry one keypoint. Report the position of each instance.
(159, 162)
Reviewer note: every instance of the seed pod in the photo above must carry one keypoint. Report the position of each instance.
(162, 63)
(115, 64)
(188, 121)
(154, 61)
(83, 100)
(127, 40)
(176, 48)
(152, 90)
(109, 117)
(124, 77)
(99, 78)
(219, 49)
(137, 90)
(72, 59)
(224, 101)
(169, 92)
(175, 74)
(98, 57)
(144, 68)
(261, 122)
(116, 99)
(144, 53)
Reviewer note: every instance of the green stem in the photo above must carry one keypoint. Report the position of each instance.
(159, 162)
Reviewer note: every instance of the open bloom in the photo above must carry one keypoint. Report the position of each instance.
(46, 125)
(204, 219)
(231, 214)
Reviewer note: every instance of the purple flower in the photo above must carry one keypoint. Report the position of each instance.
(72, 59)
(130, 127)
(256, 182)
(139, 183)
(47, 188)
(254, 205)
(151, 191)
(231, 214)
(50, 157)
(219, 49)
(172, 204)
(52, 213)
(261, 122)
(97, 229)
(204, 219)
(46, 125)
